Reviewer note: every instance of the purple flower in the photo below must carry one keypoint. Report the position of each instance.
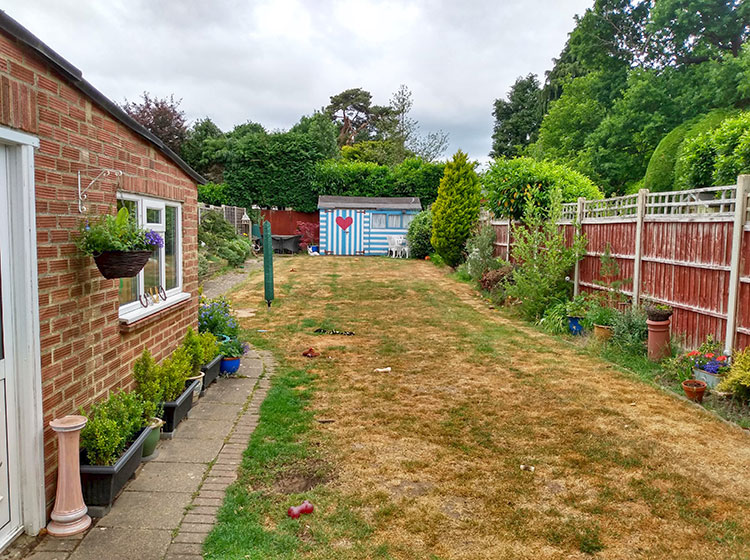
(154, 239)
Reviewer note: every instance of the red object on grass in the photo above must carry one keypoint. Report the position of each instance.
(295, 511)
(310, 353)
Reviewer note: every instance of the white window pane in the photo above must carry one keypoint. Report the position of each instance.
(394, 220)
(152, 272)
(170, 248)
(407, 219)
(378, 221)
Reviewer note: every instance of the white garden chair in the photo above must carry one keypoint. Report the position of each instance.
(393, 246)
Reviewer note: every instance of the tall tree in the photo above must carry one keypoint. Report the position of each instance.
(517, 120)
(357, 118)
(322, 131)
(162, 117)
(195, 149)
(456, 209)
(694, 31)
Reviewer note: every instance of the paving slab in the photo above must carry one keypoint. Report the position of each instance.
(118, 543)
(189, 451)
(173, 477)
(205, 429)
(147, 510)
(215, 411)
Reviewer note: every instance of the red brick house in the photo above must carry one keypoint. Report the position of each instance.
(68, 335)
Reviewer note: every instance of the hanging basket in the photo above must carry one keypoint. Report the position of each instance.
(121, 264)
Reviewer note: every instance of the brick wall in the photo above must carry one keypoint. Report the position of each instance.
(85, 353)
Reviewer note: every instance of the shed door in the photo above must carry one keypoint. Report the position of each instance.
(345, 232)
(10, 522)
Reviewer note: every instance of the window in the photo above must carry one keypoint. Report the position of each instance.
(394, 221)
(163, 271)
(378, 220)
(407, 220)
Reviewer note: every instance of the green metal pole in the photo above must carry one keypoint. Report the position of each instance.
(267, 263)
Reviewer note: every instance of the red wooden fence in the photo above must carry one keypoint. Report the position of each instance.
(688, 249)
(284, 222)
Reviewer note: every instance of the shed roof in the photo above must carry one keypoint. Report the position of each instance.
(75, 77)
(370, 202)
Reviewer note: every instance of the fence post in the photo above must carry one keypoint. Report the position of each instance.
(578, 223)
(640, 215)
(740, 208)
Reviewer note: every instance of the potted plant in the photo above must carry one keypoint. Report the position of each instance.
(232, 352)
(215, 316)
(709, 366)
(737, 381)
(166, 384)
(603, 318)
(694, 389)
(211, 358)
(150, 452)
(120, 248)
(576, 310)
(658, 321)
(111, 446)
(192, 346)
(658, 311)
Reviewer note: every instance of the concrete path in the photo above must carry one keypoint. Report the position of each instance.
(220, 285)
(166, 512)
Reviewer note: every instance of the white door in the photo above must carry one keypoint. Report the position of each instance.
(10, 522)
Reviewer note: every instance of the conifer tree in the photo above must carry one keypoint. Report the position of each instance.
(456, 209)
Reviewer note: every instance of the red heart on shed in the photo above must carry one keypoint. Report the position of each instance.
(344, 223)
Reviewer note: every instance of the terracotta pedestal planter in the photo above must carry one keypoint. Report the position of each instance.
(69, 515)
(658, 339)
(694, 389)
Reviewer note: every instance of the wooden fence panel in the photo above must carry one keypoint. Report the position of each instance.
(685, 257)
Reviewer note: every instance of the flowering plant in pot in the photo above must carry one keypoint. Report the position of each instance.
(119, 246)
(232, 351)
(216, 316)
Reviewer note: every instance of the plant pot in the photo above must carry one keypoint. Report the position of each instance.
(102, 484)
(603, 332)
(574, 326)
(654, 314)
(198, 390)
(659, 346)
(211, 371)
(230, 366)
(121, 264)
(175, 411)
(694, 389)
(149, 445)
(710, 379)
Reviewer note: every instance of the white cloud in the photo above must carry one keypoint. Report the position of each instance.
(272, 61)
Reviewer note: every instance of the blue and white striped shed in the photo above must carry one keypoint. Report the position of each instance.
(359, 225)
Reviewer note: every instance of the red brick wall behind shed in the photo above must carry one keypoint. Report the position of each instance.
(84, 354)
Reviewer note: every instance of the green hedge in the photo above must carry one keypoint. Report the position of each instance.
(509, 183)
(660, 172)
(694, 159)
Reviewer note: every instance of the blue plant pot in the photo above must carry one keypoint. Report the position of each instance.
(574, 326)
(314, 248)
(230, 365)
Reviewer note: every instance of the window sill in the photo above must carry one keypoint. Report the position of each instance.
(134, 319)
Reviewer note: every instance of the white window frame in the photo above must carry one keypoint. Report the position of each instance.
(26, 349)
(384, 214)
(134, 311)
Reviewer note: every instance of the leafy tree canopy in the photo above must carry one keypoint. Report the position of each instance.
(517, 120)
(162, 117)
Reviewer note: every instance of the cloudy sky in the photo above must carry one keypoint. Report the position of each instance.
(271, 61)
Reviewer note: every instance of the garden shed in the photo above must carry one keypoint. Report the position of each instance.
(68, 335)
(359, 225)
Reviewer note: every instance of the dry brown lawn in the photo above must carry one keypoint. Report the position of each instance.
(429, 454)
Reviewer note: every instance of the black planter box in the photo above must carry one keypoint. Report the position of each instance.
(175, 411)
(102, 484)
(211, 371)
